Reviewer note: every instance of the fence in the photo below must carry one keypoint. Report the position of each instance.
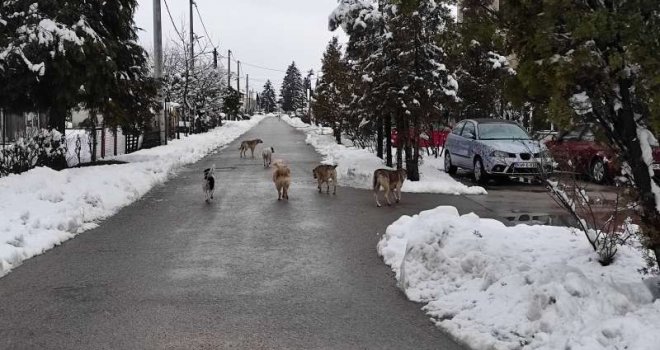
(108, 144)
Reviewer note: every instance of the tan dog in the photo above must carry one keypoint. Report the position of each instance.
(282, 179)
(324, 174)
(250, 144)
(390, 181)
(267, 155)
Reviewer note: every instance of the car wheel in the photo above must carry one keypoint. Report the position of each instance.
(449, 168)
(480, 175)
(598, 171)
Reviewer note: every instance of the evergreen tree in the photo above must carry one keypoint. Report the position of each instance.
(59, 55)
(419, 70)
(331, 92)
(232, 103)
(267, 98)
(597, 61)
(292, 89)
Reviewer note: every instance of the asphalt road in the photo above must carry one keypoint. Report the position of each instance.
(245, 272)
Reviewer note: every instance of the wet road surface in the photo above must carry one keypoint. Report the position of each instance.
(245, 272)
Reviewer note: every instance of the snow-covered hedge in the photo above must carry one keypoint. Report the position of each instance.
(43, 148)
(531, 287)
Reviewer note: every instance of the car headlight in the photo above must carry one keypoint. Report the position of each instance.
(499, 154)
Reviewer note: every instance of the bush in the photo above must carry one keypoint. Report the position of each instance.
(42, 148)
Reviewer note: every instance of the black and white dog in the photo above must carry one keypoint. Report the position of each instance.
(209, 183)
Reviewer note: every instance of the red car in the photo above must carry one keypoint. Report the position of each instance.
(579, 151)
(436, 138)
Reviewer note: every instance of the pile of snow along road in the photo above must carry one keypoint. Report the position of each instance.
(42, 208)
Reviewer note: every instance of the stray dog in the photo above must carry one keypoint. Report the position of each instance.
(267, 155)
(389, 180)
(326, 173)
(282, 180)
(209, 183)
(251, 144)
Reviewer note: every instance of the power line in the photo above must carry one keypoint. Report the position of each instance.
(208, 37)
(167, 7)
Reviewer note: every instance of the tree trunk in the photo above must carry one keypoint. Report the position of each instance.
(412, 151)
(379, 136)
(92, 119)
(337, 132)
(400, 141)
(626, 125)
(57, 119)
(388, 139)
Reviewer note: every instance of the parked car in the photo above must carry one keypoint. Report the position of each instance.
(434, 138)
(493, 148)
(544, 136)
(580, 150)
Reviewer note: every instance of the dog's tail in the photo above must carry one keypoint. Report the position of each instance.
(272, 150)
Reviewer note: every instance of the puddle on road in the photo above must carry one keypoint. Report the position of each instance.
(539, 219)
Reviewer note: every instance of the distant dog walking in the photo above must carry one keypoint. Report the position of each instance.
(390, 181)
(251, 145)
(267, 155)
(209, 183)
(324, 174)
(282, 180)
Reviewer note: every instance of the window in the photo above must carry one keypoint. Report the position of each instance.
(458, 128)
(502, 131)
(469, 131)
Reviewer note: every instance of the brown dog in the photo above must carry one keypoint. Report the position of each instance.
(324, 174)
(282, 180)
(250, 144)
(389, 180)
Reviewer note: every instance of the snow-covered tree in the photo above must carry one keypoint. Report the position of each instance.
(267, 98)
(331, 97)
(597, 61)
(232, 102)
(55, 56)
(292, 89)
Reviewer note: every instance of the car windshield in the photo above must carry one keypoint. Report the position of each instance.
(501, 131)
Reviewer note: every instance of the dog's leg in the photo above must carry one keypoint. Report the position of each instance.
(320, 184)
(327, 183)
(286, 192)
(399, 191)
(376, 189)
(387, 194)
(334, 186)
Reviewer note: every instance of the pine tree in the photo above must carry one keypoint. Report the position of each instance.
(267, 98)
(292, 89)
(331, 97)
(418, 69)
(232, 103)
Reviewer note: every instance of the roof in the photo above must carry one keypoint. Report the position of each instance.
(492, 121)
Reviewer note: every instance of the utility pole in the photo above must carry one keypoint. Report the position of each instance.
(192, 62)
(238, 77)
(158, 69)
(247, 93)
(228, 69)
(215, 58)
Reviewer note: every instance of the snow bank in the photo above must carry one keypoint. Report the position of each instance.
(42, 208)
(356, 166)
(537, 287)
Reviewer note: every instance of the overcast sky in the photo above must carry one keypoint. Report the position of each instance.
(269, 33)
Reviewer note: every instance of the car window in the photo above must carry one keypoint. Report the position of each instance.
(502, 131)
(458, 128)
(468, 130)
(588, 135)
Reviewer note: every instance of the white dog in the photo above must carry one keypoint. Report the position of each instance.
(267, 155)
(209, 183)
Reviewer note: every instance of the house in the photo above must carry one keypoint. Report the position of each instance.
(16, 125)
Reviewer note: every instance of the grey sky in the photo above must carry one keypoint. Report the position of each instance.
(269, 33)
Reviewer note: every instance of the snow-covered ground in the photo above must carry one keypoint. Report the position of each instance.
(531, 287)
(42, 208)
(355, 166)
